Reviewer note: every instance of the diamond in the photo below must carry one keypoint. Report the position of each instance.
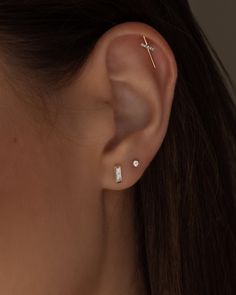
(136, 163)
(118, 174)
(148, 47)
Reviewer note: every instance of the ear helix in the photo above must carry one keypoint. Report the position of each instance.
(118, 171)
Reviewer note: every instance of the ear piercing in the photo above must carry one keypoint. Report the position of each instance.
(135, 163)
(149, 49)
(118, 174)
(118, 171)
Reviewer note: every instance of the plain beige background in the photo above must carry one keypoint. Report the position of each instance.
(217, 18)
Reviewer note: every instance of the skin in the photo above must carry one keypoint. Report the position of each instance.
(66, 226)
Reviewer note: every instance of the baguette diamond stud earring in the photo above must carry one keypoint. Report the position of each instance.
(118, 173)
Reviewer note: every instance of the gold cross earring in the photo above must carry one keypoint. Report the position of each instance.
(149, 49)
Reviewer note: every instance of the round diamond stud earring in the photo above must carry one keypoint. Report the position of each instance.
(135, 163)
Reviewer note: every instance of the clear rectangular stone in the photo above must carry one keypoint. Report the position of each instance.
(118, 174)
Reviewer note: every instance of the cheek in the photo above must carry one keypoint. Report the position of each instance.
(49, 203)
(31, 167)
(82, 137)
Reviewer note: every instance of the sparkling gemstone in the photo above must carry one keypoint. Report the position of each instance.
(136, 163)
(118, 174)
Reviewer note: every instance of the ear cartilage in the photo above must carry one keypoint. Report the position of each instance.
(149, 49)
(118, 174)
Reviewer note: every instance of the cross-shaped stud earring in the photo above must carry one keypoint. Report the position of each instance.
(149, 49)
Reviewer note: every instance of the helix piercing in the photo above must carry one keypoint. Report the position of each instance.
(149, 49)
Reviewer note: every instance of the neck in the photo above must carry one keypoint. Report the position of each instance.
(119, 273)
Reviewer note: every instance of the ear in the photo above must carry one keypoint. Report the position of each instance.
(138, 83)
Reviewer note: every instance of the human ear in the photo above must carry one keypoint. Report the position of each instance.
(137, 82)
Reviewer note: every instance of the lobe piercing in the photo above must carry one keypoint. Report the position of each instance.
(135, 163)
(149, 48)
(118, 173)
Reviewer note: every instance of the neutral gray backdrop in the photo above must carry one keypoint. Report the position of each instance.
(218, 20)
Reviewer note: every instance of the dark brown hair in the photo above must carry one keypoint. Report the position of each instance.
(185, 206)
